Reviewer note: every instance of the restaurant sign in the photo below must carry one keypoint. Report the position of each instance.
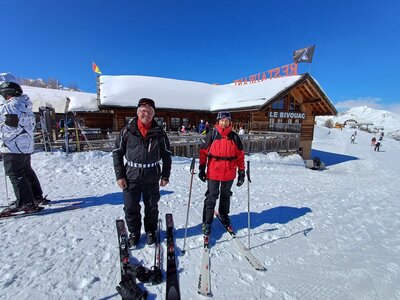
(287, 115)
(286, 70)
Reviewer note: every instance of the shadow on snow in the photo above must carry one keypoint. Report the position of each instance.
(276, 215)
(329, 158)
(76, 203)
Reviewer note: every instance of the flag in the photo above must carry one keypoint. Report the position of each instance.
(304, 55)
(96, 68)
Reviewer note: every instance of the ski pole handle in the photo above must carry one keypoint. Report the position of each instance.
(248, 171)
(192, 165)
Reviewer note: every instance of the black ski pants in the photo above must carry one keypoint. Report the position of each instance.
(150, 192)
(214, 189)
(23, 178)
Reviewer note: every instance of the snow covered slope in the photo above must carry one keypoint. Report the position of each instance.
(364, 114)
(321, 235)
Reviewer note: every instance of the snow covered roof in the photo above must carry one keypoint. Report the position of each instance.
(125, 91)
(80, 101)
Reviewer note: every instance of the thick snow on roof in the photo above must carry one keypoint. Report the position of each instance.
(80, 101)
(181, 94)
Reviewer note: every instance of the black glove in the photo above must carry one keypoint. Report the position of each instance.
(202, 173)
(240, 180)
(132, 292)
(11, 120)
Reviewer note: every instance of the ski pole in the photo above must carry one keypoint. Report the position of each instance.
(248, 202)
(192, 165)
(5, 180)
(67, 100)
(157, 255)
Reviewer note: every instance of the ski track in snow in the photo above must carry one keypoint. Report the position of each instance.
(321, 235)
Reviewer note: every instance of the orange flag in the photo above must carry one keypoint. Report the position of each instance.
(96, 68)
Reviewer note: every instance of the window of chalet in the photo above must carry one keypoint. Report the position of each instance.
(293, 105)
(279, 104)
(175, 123)
(185, 122)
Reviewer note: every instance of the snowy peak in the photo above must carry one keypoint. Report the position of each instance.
(9, 77)
(364, 114)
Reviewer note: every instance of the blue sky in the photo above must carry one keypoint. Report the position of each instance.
(355, 60)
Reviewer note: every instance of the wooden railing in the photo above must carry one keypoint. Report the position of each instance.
(189, 145)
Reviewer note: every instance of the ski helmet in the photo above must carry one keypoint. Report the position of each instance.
(147, 101)
(10, 89)
(224, 115)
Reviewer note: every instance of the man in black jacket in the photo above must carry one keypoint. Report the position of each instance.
(143, 143)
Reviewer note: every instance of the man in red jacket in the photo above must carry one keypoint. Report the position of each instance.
(222, 153)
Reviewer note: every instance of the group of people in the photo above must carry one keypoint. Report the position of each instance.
(139, 149)
(374, 142)
(203, 129)
(142, 144)
(17, 124)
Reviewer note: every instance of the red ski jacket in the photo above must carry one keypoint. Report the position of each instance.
(223, 153)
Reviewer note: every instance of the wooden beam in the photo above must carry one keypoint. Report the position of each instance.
(308, 101)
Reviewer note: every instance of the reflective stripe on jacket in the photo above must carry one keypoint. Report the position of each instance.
(142, 150)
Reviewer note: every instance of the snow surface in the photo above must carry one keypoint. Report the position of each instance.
(321, 235)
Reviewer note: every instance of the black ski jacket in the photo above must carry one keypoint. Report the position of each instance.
(140, 151)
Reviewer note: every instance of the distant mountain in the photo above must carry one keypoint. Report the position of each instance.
(364, 114)
(9, 77)
(49, 84)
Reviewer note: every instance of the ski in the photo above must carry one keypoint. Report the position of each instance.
(43, 211)
(172, 289)
(16, 214)
(127, 288)
(204, 286)
(245, 252)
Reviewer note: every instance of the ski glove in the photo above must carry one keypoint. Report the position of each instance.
(240, 180)
(130, 293)
(202, 173)
(11, 120)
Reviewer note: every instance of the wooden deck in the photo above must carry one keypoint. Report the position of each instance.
(189, 145)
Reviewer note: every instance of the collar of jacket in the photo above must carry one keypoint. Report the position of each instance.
(224, 132)
(133, 126)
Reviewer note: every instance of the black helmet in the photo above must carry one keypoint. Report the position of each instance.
(10, 89)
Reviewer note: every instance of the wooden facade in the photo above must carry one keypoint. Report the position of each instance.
(293, 110)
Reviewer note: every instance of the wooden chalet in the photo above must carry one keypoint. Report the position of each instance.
(292, 109)
(281, 108)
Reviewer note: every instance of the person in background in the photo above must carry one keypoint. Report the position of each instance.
(222, 155)
(241, 131)
(353, 138)
(143, 143)
(373, 141)
(207, 128)
(17, 123)
(202, 126)
(183, 129)
(378, 145)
